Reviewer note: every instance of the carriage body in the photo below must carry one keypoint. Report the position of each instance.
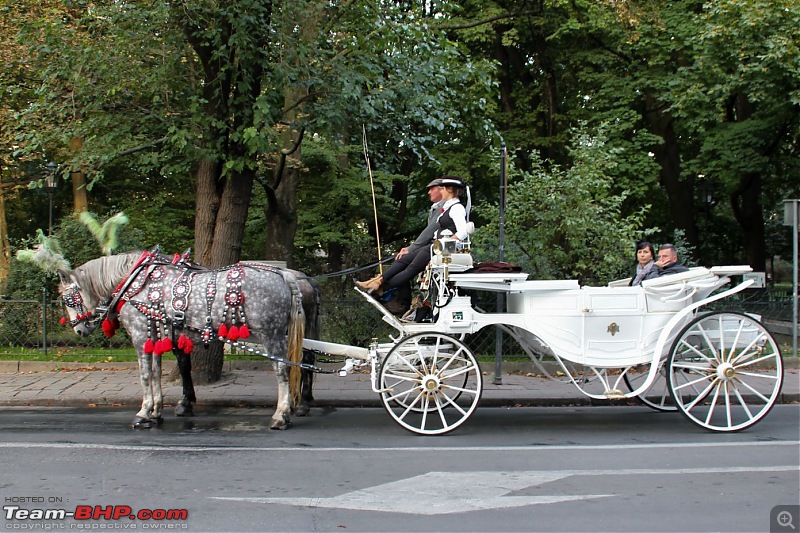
(616, 326)
(654, 342)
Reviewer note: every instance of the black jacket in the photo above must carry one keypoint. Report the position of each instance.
(674, 268)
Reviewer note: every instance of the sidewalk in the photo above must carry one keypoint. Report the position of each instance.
(253, 384)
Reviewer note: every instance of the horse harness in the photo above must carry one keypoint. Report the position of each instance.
(164, 326)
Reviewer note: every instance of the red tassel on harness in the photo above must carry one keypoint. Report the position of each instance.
(167, 345)
(149, 346)
(233, 333)
(222, 331)
(62, 321)
(185, 344)
(158, 348)
(108, 328)
(244, 332)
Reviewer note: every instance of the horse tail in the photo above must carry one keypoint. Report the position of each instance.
(314, 322)
(296, 333)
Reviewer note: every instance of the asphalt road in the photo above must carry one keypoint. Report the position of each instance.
(519, 469)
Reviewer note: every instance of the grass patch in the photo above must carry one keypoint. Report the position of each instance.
(91, 355)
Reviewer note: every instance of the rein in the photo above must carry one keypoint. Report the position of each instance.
(352, 270)
(102, 312)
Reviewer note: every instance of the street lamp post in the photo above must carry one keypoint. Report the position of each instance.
(50, 183)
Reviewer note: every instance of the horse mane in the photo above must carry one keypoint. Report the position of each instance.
(101, 276)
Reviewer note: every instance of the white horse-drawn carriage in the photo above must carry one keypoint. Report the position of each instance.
(657, 342)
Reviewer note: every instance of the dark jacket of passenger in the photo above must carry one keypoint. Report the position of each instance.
(674, 268)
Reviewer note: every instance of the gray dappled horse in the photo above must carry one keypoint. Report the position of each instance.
(167, 304)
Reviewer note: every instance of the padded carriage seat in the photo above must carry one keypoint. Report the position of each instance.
(671, 279)
(673, 292)
(459, 261)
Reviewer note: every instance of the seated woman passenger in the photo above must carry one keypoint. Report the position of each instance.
(453, 217)
(645, 262)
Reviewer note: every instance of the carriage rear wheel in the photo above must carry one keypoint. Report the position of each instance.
(656, 396)
(432, 383)
(725, 371)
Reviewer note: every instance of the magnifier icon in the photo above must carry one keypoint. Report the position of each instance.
(785, 519)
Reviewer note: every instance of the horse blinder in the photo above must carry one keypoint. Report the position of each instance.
(72, 299)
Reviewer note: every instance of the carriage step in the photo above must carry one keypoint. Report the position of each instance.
(614, 394)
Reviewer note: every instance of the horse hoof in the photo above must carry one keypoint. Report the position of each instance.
(302, 410)
(184, 409)
(280, 424)
(157, 421)
(141, 423)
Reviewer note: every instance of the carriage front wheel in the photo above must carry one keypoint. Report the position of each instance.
(431, 383)
(725, 371)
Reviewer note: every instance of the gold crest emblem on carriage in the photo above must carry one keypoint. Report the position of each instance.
(613, 328)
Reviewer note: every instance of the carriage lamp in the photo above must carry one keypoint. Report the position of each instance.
(445, 246)
(50, 183)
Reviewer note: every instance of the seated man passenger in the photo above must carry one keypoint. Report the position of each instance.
(452, 217)
(667, 262)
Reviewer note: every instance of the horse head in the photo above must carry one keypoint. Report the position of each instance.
(79, 302)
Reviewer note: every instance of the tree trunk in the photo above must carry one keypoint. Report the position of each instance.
(80, 201)
(5, 247)
(746, 204)
(207, 198)
(280, 210)
(668, 154)
(233, 72)
(222, 205)
(746, 198)
(281, 218)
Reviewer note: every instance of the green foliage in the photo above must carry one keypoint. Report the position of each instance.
(26, 282)
(79, 246)
(565, 222)
(685, 250)
(437, 85)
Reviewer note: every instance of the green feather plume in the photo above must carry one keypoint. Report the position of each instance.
(106, 234)
(46, 255)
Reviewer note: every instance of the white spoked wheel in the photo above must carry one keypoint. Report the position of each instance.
(431, 383)
(725, 371)
(657, 395)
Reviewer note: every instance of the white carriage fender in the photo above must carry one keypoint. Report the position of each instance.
(333, 348)
(665, 333)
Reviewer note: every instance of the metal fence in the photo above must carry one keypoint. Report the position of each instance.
(32, 327)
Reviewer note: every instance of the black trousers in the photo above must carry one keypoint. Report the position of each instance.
(407, 267)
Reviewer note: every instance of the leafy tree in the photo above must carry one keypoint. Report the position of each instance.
(226, 94)
(566, 222)
(686, 92)
(742, 91)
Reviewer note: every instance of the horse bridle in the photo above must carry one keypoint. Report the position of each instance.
(72, 298)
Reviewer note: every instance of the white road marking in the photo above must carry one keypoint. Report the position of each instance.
(437, 493)
(433, 447)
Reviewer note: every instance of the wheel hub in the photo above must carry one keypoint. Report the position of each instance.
(430, 383)
(726, 372)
